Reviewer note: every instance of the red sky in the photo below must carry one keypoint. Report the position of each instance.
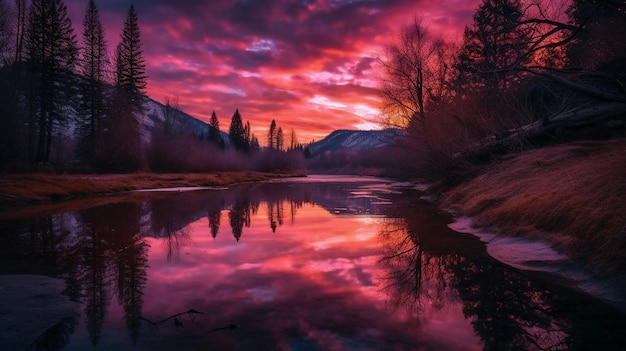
(308, 64)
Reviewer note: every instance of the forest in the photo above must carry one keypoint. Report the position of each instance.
(77, 108)
(525, 74)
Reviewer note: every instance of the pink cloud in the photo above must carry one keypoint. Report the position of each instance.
(269, 59)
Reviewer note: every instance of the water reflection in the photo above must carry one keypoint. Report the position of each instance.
(294, 266)
(428, 266)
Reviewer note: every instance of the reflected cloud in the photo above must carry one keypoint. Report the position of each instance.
(275, 260)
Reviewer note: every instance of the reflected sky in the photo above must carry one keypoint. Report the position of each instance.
(312, 264)
(312, 284)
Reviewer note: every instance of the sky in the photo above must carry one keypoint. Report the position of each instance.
(309, 64)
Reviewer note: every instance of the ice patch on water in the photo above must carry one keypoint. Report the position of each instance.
(521, 253)
(182, 188)
(538, 255)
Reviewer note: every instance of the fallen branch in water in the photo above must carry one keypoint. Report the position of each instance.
(177, 322)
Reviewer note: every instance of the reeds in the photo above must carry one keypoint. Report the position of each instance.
(16, 190)
(573, 195)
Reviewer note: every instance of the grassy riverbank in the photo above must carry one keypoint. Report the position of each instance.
(572, 195)
(29, 189)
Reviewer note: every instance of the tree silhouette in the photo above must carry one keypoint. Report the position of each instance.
(120, 146)
(237, 133)
(214, 134)
(271, 135)
(215, 216)
(494, 41)
(93, 64)
(416, 72)
(280, 139)
(51, 56)
(131, 66)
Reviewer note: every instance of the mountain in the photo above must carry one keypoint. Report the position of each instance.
(183, 123)
(354, 140)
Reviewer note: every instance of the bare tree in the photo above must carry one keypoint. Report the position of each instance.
(415, 72)
(293, 140)
(6, 33)
(20, 29)
(171, 110)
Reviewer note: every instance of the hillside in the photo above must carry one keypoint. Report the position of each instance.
(183, 122)
(354, 140)
(571, 195)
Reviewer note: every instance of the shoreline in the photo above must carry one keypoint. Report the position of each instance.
(23, 190)
(571, 196)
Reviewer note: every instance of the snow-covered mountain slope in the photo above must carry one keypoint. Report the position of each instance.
(355, 140)
(155, 115)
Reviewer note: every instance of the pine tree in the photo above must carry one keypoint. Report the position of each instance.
(280, 139)
(214, 133)
(247, 133)
(93, 67)
(237, 133)
(254, 143)
(120, 149)
(492, 43)
(293, 140)
(131, 66)
(51, 55)
(271, 135)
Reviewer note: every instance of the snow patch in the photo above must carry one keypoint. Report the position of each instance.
(31, 305)
(538, 255)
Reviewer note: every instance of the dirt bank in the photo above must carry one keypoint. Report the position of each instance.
(572, 195)
(20, 190)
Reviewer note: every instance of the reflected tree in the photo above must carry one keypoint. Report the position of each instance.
(275, 214)
(426, 263)
(132, 264)
(55, 338)
(240, 215)
(97, 280)
(215, 217)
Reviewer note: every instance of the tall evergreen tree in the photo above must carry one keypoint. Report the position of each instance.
(120, 148)
(271, 135)
(237, 133)
(51, 55)
(280, 139)
(131, 66)
(492, 43)
(214, 129)
(247, 133)
(94, 64)
(254, 143)
(602, 43)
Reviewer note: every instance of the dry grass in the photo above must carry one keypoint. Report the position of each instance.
(19, 190)
(573, 195)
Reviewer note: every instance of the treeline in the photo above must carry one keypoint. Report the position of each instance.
(80, 107)
(526, 73)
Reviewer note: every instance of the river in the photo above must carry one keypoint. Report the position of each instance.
(316, 263)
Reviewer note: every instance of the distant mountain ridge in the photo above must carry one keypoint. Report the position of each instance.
(354, 140)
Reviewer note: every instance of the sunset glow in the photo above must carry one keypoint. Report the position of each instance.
(310, 65)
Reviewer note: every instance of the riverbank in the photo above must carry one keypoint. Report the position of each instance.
(32, 189)
(572, 195)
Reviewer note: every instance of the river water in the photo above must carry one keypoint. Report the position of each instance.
(317, 263)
